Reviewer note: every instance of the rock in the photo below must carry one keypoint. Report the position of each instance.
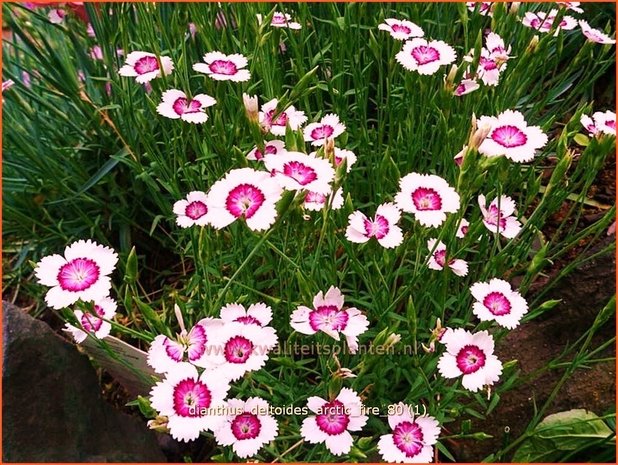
(53, 410)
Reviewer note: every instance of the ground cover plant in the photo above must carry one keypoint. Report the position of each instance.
(318, 220)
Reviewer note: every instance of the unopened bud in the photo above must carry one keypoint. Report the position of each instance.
(514, 7)
(449, 83)
(479, 136)
(431, 349)
(251, 107)
(329, 149)
(533, 45)
(159, 424)
(344, 373)
(391, 340)
(458, 158)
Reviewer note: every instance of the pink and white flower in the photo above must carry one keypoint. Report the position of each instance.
(190, 402)
(437, 259)
(489, 69)
(511, 136)
(244, 194)
(91, 324)
(543, 21)
(280, 19)
(484, 8)
(470, 356)
(383, 226)
(401, 29)
(272, 147)
(600, 123)
(83, 273)
(466, 86)
(247, 426)
(6, 85)
(239, 347)
(428, 197)
(494, 44)
(412, 438)
(299, 171)
(222, 67)
(425, 57)
(277, 125)
(462, 228)
(329, 316)
(257, 314)
(594, 35)
(193, 210)
(333, 421)
(56, 15)
(329, 127)
(165, 353)
(574, 6)
(176, 105)
(145, 66)
(499, 217)
(496, 301)
(315, 201)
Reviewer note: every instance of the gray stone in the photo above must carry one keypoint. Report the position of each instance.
(52, 406)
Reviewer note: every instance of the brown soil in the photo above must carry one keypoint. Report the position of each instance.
(535, 344)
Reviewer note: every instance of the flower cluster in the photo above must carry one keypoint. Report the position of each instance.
(418, 54)
(600, 123)
(81, 276)
(199, 366)
(492, 62)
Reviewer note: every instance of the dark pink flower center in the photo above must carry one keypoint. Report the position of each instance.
(401, 28)
(238, 349)
(425, 198)
(322, 132)
(464, 230)
(424, 54)
(90, 322)
(333, 419)
(190, 396)
(497, 303)
(495, 217)
(509, 136)
(329, 317)
(282, 119)
(78, 274)
(225, 67)
(488, 64)
(182, 106)
(377, 228)
(408, 437)
(279, 19)
(470, 359)
(146, 65)
(246, 426)
(315, 197)
(611, 124)
(440, 257)
(248, 320)
(300, 172)
(196, 209)
(244, 199)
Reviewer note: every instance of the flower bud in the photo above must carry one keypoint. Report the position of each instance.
(159, 424)
(479, 135)
(532, 46)
(251, 107)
